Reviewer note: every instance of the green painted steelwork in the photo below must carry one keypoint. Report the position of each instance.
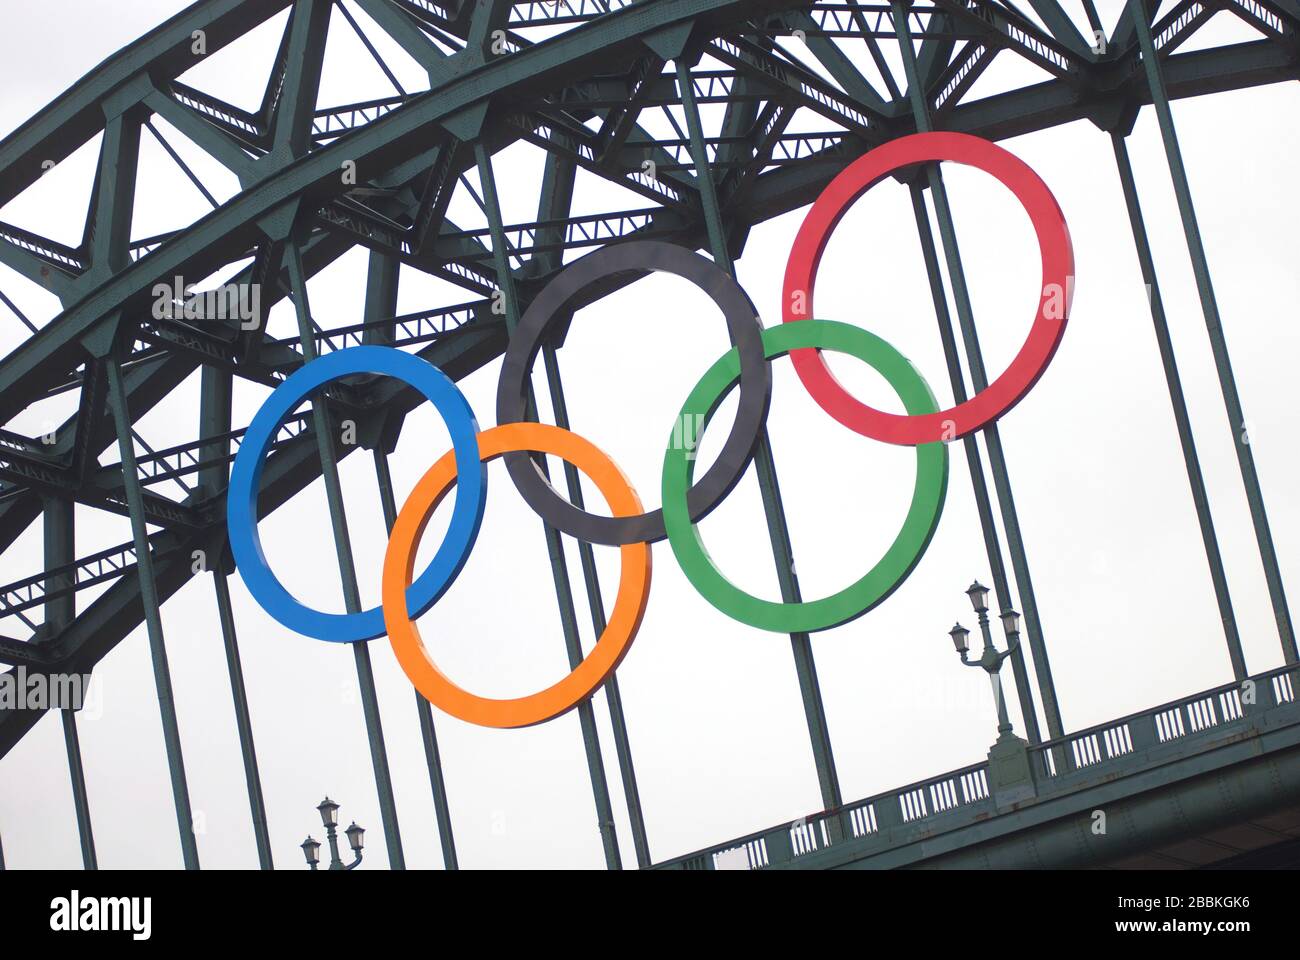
(554, 546)
(1214, 327)
(576, 79)
(765, 468)
(60, 607)
(153, 619)
(1176, 397)
(997, 461)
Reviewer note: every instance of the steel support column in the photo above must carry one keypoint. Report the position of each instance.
(382, 280)
(252, 779)
(765, 468)
(587, 557)
(432, 756)
(992, 439)
(60, 550)
(153, 619)
(974, 462)
(554, 206)
(347, 568)
(214, 421)
(555, 547)
(72, 743)
(1176, 399)
(1214, 327)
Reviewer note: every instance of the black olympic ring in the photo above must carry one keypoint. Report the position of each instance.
(751, 413)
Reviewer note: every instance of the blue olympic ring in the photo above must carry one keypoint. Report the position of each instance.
(246, 475)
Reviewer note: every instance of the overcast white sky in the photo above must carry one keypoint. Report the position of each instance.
(712, 707)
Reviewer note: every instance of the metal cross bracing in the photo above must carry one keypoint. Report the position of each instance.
(593, 85)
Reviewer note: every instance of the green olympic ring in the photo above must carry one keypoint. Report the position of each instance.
(908, 546)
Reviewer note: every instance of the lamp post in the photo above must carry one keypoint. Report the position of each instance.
(991, 659)
(329, 816)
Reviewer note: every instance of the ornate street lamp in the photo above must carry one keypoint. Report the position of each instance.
(329, 812)
(329, 816)
(979, 596)
(311, 850)
(991, 659)
(355, 835)
(960, 639)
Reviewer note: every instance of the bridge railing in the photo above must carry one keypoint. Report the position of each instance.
(1051, 763)
(1163, 724)
(863, 818)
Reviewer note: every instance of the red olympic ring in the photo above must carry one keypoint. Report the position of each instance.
(1044, 336)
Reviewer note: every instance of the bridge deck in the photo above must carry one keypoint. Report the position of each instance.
(1202, 779)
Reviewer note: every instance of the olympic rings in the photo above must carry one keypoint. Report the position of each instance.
(631, 529)
(624, 619)
(245, 480)
(908, 546)
(559, 298)
(1044, 336)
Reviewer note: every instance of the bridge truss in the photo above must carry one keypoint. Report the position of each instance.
(577, 79)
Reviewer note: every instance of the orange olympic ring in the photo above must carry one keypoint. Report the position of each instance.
(624, 620)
